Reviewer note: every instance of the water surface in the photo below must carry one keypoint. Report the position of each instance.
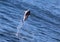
(43, 25)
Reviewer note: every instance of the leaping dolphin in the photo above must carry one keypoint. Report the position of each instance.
(26, 14)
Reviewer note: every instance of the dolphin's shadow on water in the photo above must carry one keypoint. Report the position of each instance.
(11, 14)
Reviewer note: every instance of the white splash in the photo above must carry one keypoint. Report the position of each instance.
(19, 28)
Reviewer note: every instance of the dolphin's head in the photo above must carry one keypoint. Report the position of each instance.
(27, 12)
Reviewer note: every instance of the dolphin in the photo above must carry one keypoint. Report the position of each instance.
(26, 14)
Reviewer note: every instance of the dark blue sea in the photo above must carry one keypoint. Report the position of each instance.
(43, 24)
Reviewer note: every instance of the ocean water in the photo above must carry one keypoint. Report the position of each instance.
(43, 24)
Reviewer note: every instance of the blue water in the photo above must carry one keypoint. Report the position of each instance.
(43, 25)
